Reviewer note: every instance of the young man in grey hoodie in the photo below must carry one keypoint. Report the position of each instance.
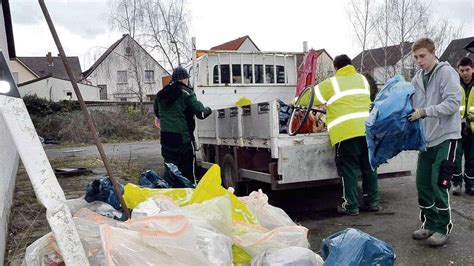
(436, 102)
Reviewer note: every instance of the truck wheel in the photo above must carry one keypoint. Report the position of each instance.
(229, 173)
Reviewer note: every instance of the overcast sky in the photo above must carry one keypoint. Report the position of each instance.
(274, 25)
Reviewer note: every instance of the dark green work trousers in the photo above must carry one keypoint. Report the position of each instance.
(435, 211)
(352, 161)
(183, 157)
(466, 149)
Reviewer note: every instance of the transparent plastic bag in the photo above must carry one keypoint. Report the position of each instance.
(167, 239)
(288, 256)
(255, 239)
(268, 216)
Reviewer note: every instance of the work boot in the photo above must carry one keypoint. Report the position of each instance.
(422, 234)
(344, 211)
(369, 208)
(437, 239)
(457, 189)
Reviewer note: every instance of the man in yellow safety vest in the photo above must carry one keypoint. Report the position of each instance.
(347, 100)
(466, 73)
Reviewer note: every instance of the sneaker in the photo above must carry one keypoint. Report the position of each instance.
(437, 239)
(457, 190)
(344, 211)
(369, 208)
(422, 234)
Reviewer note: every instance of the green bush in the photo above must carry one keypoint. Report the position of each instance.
(42, 107)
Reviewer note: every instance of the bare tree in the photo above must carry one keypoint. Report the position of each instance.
(409, 20)
(166, 30)
(361, 16)
(383, 30)
(442, 32)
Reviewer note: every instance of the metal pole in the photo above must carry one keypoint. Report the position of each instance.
(86, 113)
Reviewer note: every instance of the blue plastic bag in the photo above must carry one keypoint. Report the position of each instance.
(388, 131)
(174, 177)
(102, 190)
(150, 179)
(354, 247)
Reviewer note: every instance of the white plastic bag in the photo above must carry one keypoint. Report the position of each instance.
(288, 256)
(256, 239)
(268, 216)
(154, 206)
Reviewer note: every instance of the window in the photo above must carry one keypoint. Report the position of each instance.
(123, 99)
(236, 74)
(280, 70)
(102, 92)
(248, 77)
(269, 74)
(225, 74)
(69, 95)
(149, 76)
(258, 73)
(122, 77)
(128, 51)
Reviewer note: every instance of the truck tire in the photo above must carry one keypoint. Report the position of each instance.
(229, 173)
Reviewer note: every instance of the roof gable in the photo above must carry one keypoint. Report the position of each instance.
(110, 50)
(40, 66)
(234, 45)
(456, 50)
(376, 57)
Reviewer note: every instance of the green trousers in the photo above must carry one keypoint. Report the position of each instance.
(466, 149)
(352, 161)
(182, 156)
(435, 211)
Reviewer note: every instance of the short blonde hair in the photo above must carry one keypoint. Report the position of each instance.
(423, 43)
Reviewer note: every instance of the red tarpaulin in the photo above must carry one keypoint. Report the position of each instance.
(307, 71)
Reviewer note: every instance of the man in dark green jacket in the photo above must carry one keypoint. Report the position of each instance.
(176, 105)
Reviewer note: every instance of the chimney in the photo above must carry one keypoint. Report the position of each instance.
(49, 58)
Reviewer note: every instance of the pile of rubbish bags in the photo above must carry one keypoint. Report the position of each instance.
(205, 225)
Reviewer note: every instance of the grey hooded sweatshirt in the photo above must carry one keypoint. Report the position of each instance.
(440, 99)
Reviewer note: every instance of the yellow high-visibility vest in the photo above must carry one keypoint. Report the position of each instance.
(468, 107)
(347, 99)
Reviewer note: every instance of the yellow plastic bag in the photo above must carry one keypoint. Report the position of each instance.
(243, 101)
(134, 195)
(210, 187)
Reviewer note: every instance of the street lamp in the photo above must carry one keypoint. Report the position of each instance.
(4, 87)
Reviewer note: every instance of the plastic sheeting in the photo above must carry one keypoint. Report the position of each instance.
(152, 180)
(388, 131)
(354, 247)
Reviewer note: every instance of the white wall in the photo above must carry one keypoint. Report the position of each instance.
(248, 46)
(106, 72)
(21, 72)
(8, 161)
(381, 74)
(55, 89)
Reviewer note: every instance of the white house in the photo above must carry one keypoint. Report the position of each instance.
(9, 158)
(126, 72)
(56, 89)
(385, 62)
